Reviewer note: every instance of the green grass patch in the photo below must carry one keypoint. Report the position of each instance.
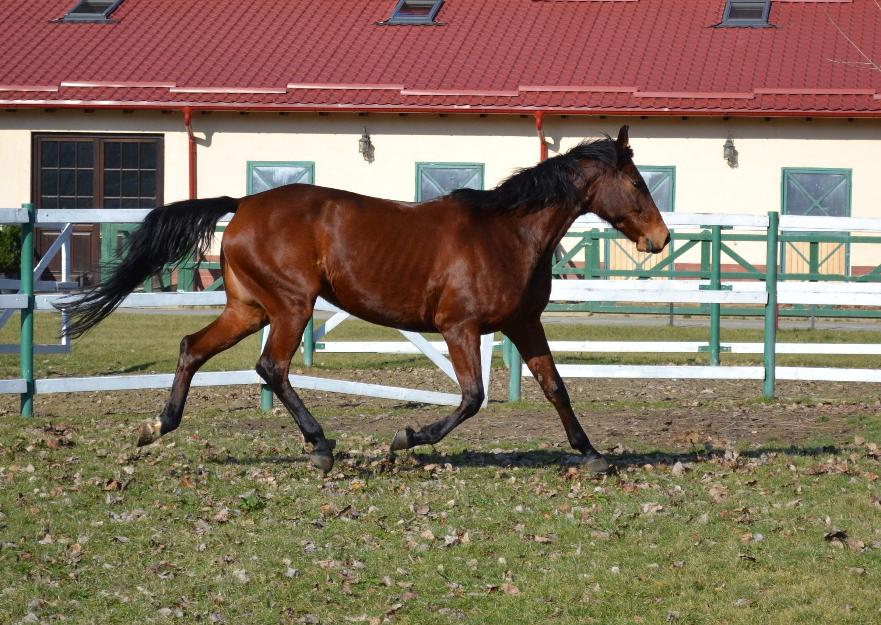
(221, 525)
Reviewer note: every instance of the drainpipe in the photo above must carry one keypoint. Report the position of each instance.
(539, 128)
(188, 118)
(187, 271)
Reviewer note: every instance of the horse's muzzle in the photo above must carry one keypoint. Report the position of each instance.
(652, 245)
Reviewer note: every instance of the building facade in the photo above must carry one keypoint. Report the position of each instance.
(144, 102)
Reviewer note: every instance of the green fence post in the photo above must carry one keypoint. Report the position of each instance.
(514, 374)
(186, 274)
(265, 393)
(770, 349)
(309, 343)
(506, 351)
(26, 342)
(715, 285)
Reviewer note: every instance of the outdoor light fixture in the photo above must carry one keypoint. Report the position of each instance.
(365, 146)
(729, 152)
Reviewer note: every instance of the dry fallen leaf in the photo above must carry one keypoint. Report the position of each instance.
(651, 508)
(510, 589)
(718, 492)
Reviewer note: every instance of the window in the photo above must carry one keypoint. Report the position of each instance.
(819, 192)
(661, 182)
(265, 175)
(83, 171)
(746, 13)
(92, 11)
(415, 12)
(434, 180)
(823, 193)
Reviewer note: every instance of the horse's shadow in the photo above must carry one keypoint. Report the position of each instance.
(537, 458)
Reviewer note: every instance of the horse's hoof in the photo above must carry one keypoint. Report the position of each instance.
(401, 440)
(595, 463)
(149, 432)
(323, 461)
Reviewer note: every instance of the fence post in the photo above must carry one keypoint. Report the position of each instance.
(715, 284)
(506, 351)
(265, 393)
(770, 349)
(514, 373)
(309, 342)
(186, 273)
(26, 340)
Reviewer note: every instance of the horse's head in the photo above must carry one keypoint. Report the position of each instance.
(621, 197)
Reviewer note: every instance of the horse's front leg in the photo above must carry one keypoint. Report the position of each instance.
(529, 338)
(464, 345)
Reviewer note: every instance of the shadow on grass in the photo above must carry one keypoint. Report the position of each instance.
(549, 457)
(537, 458)
(141, 366)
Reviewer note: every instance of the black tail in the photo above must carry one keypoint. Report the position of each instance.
(167, 235)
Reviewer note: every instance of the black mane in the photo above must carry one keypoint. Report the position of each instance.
(546, 184)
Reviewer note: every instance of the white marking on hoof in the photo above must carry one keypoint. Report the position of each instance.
(401, 441)
(149, 433)
(324, 462)
(597, 464)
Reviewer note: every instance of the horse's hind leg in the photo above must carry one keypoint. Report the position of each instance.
(464, 345)
(529, 338)
(285, 333)
(237, 321)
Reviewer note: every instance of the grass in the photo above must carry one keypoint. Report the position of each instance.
(226, 526)
(220, 523)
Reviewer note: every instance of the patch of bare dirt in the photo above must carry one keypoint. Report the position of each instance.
(655, 412)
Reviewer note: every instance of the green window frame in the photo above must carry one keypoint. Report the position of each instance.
(789, 174)
(799, 189)
(424, 174)
(305, 174)
(655, 177)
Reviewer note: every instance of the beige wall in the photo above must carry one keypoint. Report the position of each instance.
(704, 182)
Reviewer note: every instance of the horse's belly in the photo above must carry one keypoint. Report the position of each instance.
(384, 306)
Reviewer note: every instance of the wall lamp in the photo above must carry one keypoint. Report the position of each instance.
(365, 146)
(729, 152)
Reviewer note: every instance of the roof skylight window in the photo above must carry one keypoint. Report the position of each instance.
(746, 13)
(91, 11)
(415, 12)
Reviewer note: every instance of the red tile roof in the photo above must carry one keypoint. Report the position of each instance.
(590, 56)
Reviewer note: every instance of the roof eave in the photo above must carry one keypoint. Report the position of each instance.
(429, 110)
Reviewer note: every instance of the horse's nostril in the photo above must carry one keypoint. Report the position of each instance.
(666, 239)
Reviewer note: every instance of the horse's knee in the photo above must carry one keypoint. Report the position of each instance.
(556, 391)
(187, 357)
(472, 399)
(266, 369)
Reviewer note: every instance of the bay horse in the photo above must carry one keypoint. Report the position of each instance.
(469, 263)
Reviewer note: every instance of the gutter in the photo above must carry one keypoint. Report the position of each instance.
(460, 110)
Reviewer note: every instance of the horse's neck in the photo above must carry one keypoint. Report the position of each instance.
(541, 231)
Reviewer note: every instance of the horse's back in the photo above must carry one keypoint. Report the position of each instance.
(382, 260)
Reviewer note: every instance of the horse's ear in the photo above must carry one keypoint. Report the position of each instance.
(622, 145)
(623, 141)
